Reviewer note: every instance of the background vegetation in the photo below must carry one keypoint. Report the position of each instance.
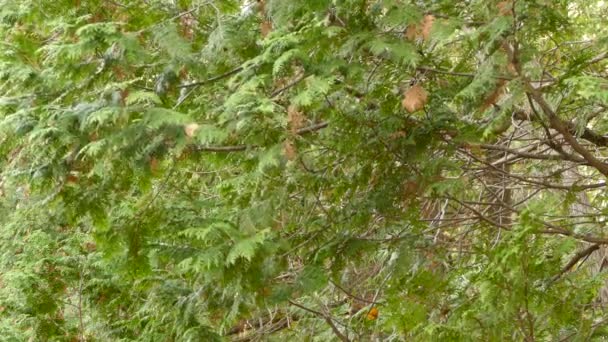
(199, 170)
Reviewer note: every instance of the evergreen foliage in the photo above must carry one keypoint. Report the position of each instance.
(354, 170)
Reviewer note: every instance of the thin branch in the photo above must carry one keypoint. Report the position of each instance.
(212, 79)
(312, 128)
(236, 148)
(461, 74)
(287, 86)
(544, 83)
(574, 187)
(480, 215)
(327, 319)
(352, 295)
(553, 230)
(577, 257)
(554, 120)
(559, 126)
(526, 154)
(587, 134)
(598, 58)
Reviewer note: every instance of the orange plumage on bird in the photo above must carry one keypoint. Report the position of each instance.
(373, 313)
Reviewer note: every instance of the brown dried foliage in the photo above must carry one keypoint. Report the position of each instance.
(421, 30)
(289, 150)
(265, 25)
(265, 28)
(295, 118)
(495, 95)
(414, 98)
(505, 8)
(154, 165)
(188, 23)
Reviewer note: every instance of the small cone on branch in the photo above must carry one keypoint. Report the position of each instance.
(414, 98)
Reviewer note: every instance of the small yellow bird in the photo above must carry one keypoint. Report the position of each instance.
(372, 314)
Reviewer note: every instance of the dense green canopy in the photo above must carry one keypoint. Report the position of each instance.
(306, 170)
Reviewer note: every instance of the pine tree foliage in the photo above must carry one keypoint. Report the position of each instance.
(353, 170)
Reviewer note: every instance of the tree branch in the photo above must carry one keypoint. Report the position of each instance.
(528, 155)
(554, 120)
(587, 134)
(578, 256)
(574, 187)
(327, 319)
(212, 79)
